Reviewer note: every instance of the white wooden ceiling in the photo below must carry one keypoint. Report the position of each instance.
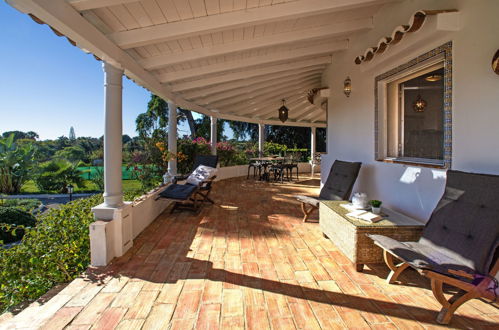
(235, 59)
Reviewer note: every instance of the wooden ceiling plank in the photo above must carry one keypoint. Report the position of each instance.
(198, 8)
(292, 37)
(247, 90)
(292, 102)
(248, 74)
(81, 5)
(278, 96)
(263, 93)
(318, 50)
(154, 11)
(207, 91)
(235, 19)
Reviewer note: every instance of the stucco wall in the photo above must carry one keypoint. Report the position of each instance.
(416, 190)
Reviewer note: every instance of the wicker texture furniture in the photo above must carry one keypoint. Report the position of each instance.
(350, 235)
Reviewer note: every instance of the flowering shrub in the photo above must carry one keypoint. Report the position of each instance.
(188, 149)
(226, 153)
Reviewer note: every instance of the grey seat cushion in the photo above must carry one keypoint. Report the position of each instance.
(340, 181)
(308, 200)
(463, 230)
(178, 191)
(420, 256)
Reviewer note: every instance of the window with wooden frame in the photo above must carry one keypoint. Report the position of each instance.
(413, 111)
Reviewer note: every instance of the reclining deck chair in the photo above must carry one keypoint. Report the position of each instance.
(459, 245)
(191, 195)
(338, 186)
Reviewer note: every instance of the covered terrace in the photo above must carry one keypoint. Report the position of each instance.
(249, 261)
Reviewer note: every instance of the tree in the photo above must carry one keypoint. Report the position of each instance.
(243, 130)
(72, 135)
(187, 115)
(298, 137)
(55, 175)
(203, 128)
(16, 162)
(73, 154)
(154, 121)
(21, 135)
(321, 139)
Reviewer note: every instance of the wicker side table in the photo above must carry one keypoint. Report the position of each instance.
(349, 234)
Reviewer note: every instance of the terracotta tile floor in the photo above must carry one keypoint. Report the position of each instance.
(248, 262)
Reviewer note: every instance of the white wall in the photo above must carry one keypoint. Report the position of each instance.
(416, 190)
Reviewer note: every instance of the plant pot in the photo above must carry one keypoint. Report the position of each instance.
(376, 210)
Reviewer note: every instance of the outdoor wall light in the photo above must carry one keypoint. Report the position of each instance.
(419, 105)
(347, 87)
(283, 112)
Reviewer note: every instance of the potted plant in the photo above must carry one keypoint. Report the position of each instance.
(375, 206)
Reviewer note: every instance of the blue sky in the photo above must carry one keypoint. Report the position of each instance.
(48, 85)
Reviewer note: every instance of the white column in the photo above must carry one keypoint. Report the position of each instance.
(261, 139)
(113, 192)
(213, 135)
(172, 136)
(312, 149)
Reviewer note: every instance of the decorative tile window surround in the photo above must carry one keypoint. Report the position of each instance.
(444, 50)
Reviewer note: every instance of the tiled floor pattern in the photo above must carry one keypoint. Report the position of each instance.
(247, 262)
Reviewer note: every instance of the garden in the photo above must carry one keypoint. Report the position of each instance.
(41, 247)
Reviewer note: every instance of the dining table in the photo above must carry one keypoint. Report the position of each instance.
(266, 162)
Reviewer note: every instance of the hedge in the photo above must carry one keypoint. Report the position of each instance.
(10, 219)
(56, 251)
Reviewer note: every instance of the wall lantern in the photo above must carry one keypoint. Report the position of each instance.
(347, 87)
(495, 62)
(283, 112)
(419, 105)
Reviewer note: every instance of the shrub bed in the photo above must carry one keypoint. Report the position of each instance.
(55, 251)
(27, 205)
(12, 221)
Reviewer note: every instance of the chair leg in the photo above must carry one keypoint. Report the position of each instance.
(395, 270)
(306, 212)
(438, 292)
(451, 305)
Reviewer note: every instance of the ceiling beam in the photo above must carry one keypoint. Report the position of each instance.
(313, 111)
(60, 15)
(306, 109)
(256, 104)
(81, 5)
(263, 106)
(269, 91)
(284, 56)
(251, 73)
(293, 37)
(292, 104)
(232, 20)
(207, 91)
(254, 88)
(264, 113)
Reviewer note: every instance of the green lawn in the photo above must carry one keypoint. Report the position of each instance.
(128, 185)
